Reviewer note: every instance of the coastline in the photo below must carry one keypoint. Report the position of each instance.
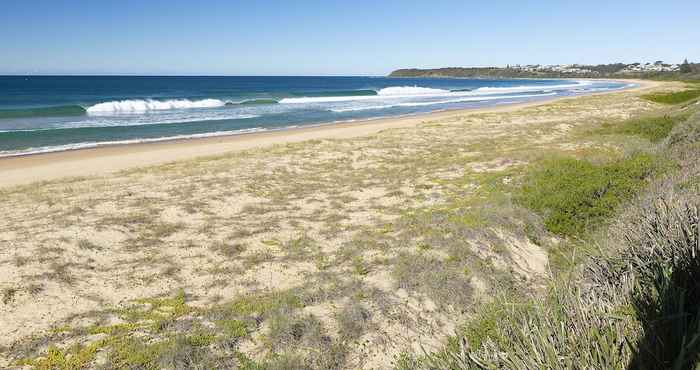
(26, 169)
(290, 221)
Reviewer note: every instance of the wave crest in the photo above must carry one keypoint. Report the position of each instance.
(516, 89)
(387, 92)
(437, 102)
(410, 91)
(137, 105)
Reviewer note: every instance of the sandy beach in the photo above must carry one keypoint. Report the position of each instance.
(23, 170)
(388, 233)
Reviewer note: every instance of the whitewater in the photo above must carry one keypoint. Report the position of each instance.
(44, 113)
(394, 92)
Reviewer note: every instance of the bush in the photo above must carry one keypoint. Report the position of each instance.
(674, 97)
(639, 310)
(663, 254)
(653, 129)
(575, 195)
(634, 304)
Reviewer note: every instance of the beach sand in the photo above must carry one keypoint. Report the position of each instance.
(103, 160)
(362, 239)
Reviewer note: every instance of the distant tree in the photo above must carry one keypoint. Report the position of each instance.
(659, 62)
(685, 67)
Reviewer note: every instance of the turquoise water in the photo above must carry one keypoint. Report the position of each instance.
(53, 113)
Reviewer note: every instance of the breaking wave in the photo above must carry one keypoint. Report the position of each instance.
(410, 91)
(398, 92)
(516, 89)
(448, 101)
(139, 106)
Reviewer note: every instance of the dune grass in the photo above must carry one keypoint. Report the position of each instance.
(167, 332)
(652, 128)
(452, 238)
(631, 304)
(673, 97)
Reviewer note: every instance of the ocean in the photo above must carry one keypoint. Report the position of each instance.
(54, 113)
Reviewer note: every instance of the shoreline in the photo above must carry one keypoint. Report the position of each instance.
(24, 169)
(290, 221)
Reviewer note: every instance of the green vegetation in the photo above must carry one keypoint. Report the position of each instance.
(663, 249)
(653, 128)
(673, 97)
(687, 72)
(493, 72)
(632, 302)
(165, 333)
(76, 357)
(686, 67)
(447, 214)
(508, 72)
(574, 196)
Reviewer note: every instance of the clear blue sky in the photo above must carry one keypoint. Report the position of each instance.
(353, 37)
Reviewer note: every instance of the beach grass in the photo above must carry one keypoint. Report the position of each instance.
(676, 97)
(333, 253)
(652, 128)
(626, 303)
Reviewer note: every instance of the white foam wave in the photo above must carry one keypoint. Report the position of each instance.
(475, 98)
(407, 92)
(137, 105)
(436, 102)
(88, 145)
(516, 89)
(410, 91)
(395, 92)
(111, 123)
(157, 120)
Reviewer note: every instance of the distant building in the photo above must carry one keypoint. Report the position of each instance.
(650, 67)
(555, 68)
(578, 69)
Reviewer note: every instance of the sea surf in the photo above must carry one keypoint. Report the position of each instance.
(53, 113)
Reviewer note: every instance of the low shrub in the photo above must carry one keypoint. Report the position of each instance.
(654, 129)
(575, 195)
(673, 97)
(640, 309)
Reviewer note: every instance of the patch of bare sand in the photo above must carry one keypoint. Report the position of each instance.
(276, 219)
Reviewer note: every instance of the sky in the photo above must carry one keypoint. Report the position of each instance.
(329, 37)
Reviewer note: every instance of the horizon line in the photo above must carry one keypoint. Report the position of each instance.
(175, 75)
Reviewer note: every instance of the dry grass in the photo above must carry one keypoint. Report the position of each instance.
(629, 302)
(386, 243)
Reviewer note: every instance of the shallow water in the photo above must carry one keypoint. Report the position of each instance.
(51, 113)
